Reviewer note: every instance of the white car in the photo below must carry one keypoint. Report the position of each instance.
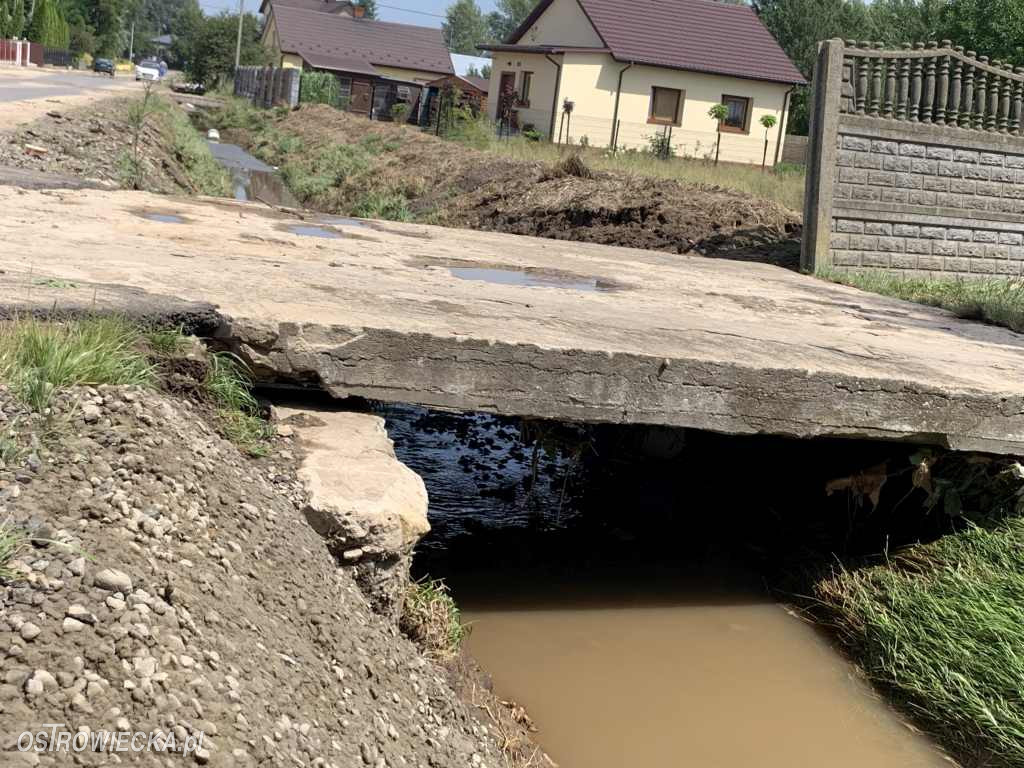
(147, 69)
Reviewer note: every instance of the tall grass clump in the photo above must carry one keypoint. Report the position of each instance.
(995, 301)
(229, 385)
(432, 620)
(39, 358)
(941, 627)
(12, 541)
(207, 175)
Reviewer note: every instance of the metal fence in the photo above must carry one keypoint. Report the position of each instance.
(57, 57)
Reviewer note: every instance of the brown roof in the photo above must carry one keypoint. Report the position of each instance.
(342, 38)
(327, 6)
(476, 83)
(697, 35)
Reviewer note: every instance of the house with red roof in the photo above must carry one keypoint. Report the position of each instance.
(377, 63)
(621, 74)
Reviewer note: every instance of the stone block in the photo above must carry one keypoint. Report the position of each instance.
(863, 242)
(965, 155)
(997, 251)
(1003, 175)
(906, 230)
(891, 195)
(909, 149)
(920, 165)
(867, 160)
(865, 193)
(985, 236)
(877, 228)
(951, 169)
(956, 264)
(842, 192)
(933, 233)
(853, 175)
(1014, 191)
(944, 248)
(893, 163)
(971, 250)
(1011, 238)
(1014, 161)
(851, 226)
(856, 142)
(840, 242)
(946, 200)
(881, 178)
(913, 245)
(846, 258)
(935, 183)
(989, 189)
(890, 244)
(929, 262)
(905, 260)
(870, 259)
(962, 186)
(939, 153)
(920, 197)
(990, 158)
(846, 158)
(907, 180)
(976, 172)
(882, 147)
(963, 235)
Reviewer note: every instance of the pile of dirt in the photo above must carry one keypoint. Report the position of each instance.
(93, 143)
(463, 187)
(172, 586)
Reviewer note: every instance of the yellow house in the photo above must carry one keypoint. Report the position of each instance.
(623, 74)
(376, 62)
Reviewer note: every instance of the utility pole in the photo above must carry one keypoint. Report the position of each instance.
(238, 44)
(131, 45)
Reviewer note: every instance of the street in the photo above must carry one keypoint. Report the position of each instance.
(27, 93)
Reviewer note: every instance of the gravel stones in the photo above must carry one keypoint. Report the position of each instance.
(113, 580)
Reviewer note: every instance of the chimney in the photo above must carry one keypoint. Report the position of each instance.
(358, 11)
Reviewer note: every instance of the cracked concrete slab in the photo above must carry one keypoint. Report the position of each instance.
(524, 326)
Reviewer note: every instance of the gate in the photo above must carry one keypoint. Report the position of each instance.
(915, 162)
(16, 52)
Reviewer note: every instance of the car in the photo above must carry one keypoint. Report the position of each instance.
(104, 66)
(147, 69)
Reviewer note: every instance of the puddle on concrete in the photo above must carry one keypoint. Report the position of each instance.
(166, 218)
(512, 276)
(341, 221)
(306, 230)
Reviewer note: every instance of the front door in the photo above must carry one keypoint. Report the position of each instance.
(361, 97)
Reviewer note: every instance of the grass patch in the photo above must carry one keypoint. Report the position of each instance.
(997, 301)
(432, 620)
(12, 541)
(941, 627)
(383, 204)
(38, 358)
(207, 175)
(229, 385)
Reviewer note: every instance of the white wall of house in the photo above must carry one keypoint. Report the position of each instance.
(542, 88)
(564, 23)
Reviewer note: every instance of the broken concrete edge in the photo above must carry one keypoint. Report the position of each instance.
(369, 507)
(600, 387)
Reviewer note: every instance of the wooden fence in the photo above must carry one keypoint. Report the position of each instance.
(268, 86)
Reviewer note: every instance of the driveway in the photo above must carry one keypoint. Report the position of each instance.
(28, 93)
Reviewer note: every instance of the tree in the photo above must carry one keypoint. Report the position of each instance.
(185, 32)
(48, 25)
(12, 18)
(506, 20)
(369, 8)
(465, 27)
(718, 113)
(484, 71)
(212, 55)
(767, 122)
(993, 28)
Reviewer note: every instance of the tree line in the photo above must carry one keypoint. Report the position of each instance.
(466, 26)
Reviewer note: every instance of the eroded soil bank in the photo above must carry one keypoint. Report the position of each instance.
(339, 163)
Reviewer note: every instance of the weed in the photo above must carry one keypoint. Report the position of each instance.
(228, 383)
(999, 302)
(941, 626)
(9, 448)
(12, 541)
(432, 620)
(383, 204)
(39, 358)
(52, 282)
(165, 342)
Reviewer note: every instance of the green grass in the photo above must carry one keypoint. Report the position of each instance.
(383, 204)
(202, 169)
(229, 385)
(165, 342)
(995, 301)
(12, 541)
(38, 358)
(941, 627)
(432, 620)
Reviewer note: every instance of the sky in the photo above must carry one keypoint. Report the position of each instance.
(426, 13)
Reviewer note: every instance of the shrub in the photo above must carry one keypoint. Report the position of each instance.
(400, 112)
(432, 620)
(319, 88)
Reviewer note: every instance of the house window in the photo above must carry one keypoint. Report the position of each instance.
(738, 119)
(524, 89)
(344, 89)
(666, 105)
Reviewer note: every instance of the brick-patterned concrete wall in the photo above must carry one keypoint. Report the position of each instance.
(926, 200)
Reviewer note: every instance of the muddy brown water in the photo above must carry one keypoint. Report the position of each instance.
(630, 642)
(706, 676)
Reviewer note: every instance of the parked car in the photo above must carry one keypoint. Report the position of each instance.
(104, 66)
(147, 69)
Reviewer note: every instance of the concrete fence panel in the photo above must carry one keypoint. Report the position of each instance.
(915, 163)
(268, 86)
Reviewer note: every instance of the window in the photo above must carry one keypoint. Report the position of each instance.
(666, 104)
(738, 119)
(524, 89)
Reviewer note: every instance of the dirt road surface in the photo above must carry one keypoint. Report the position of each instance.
(27, 93)
(525, 326)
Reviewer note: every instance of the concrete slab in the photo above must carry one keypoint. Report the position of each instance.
(517, 325)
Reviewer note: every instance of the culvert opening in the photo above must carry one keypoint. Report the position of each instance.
(633, 588)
